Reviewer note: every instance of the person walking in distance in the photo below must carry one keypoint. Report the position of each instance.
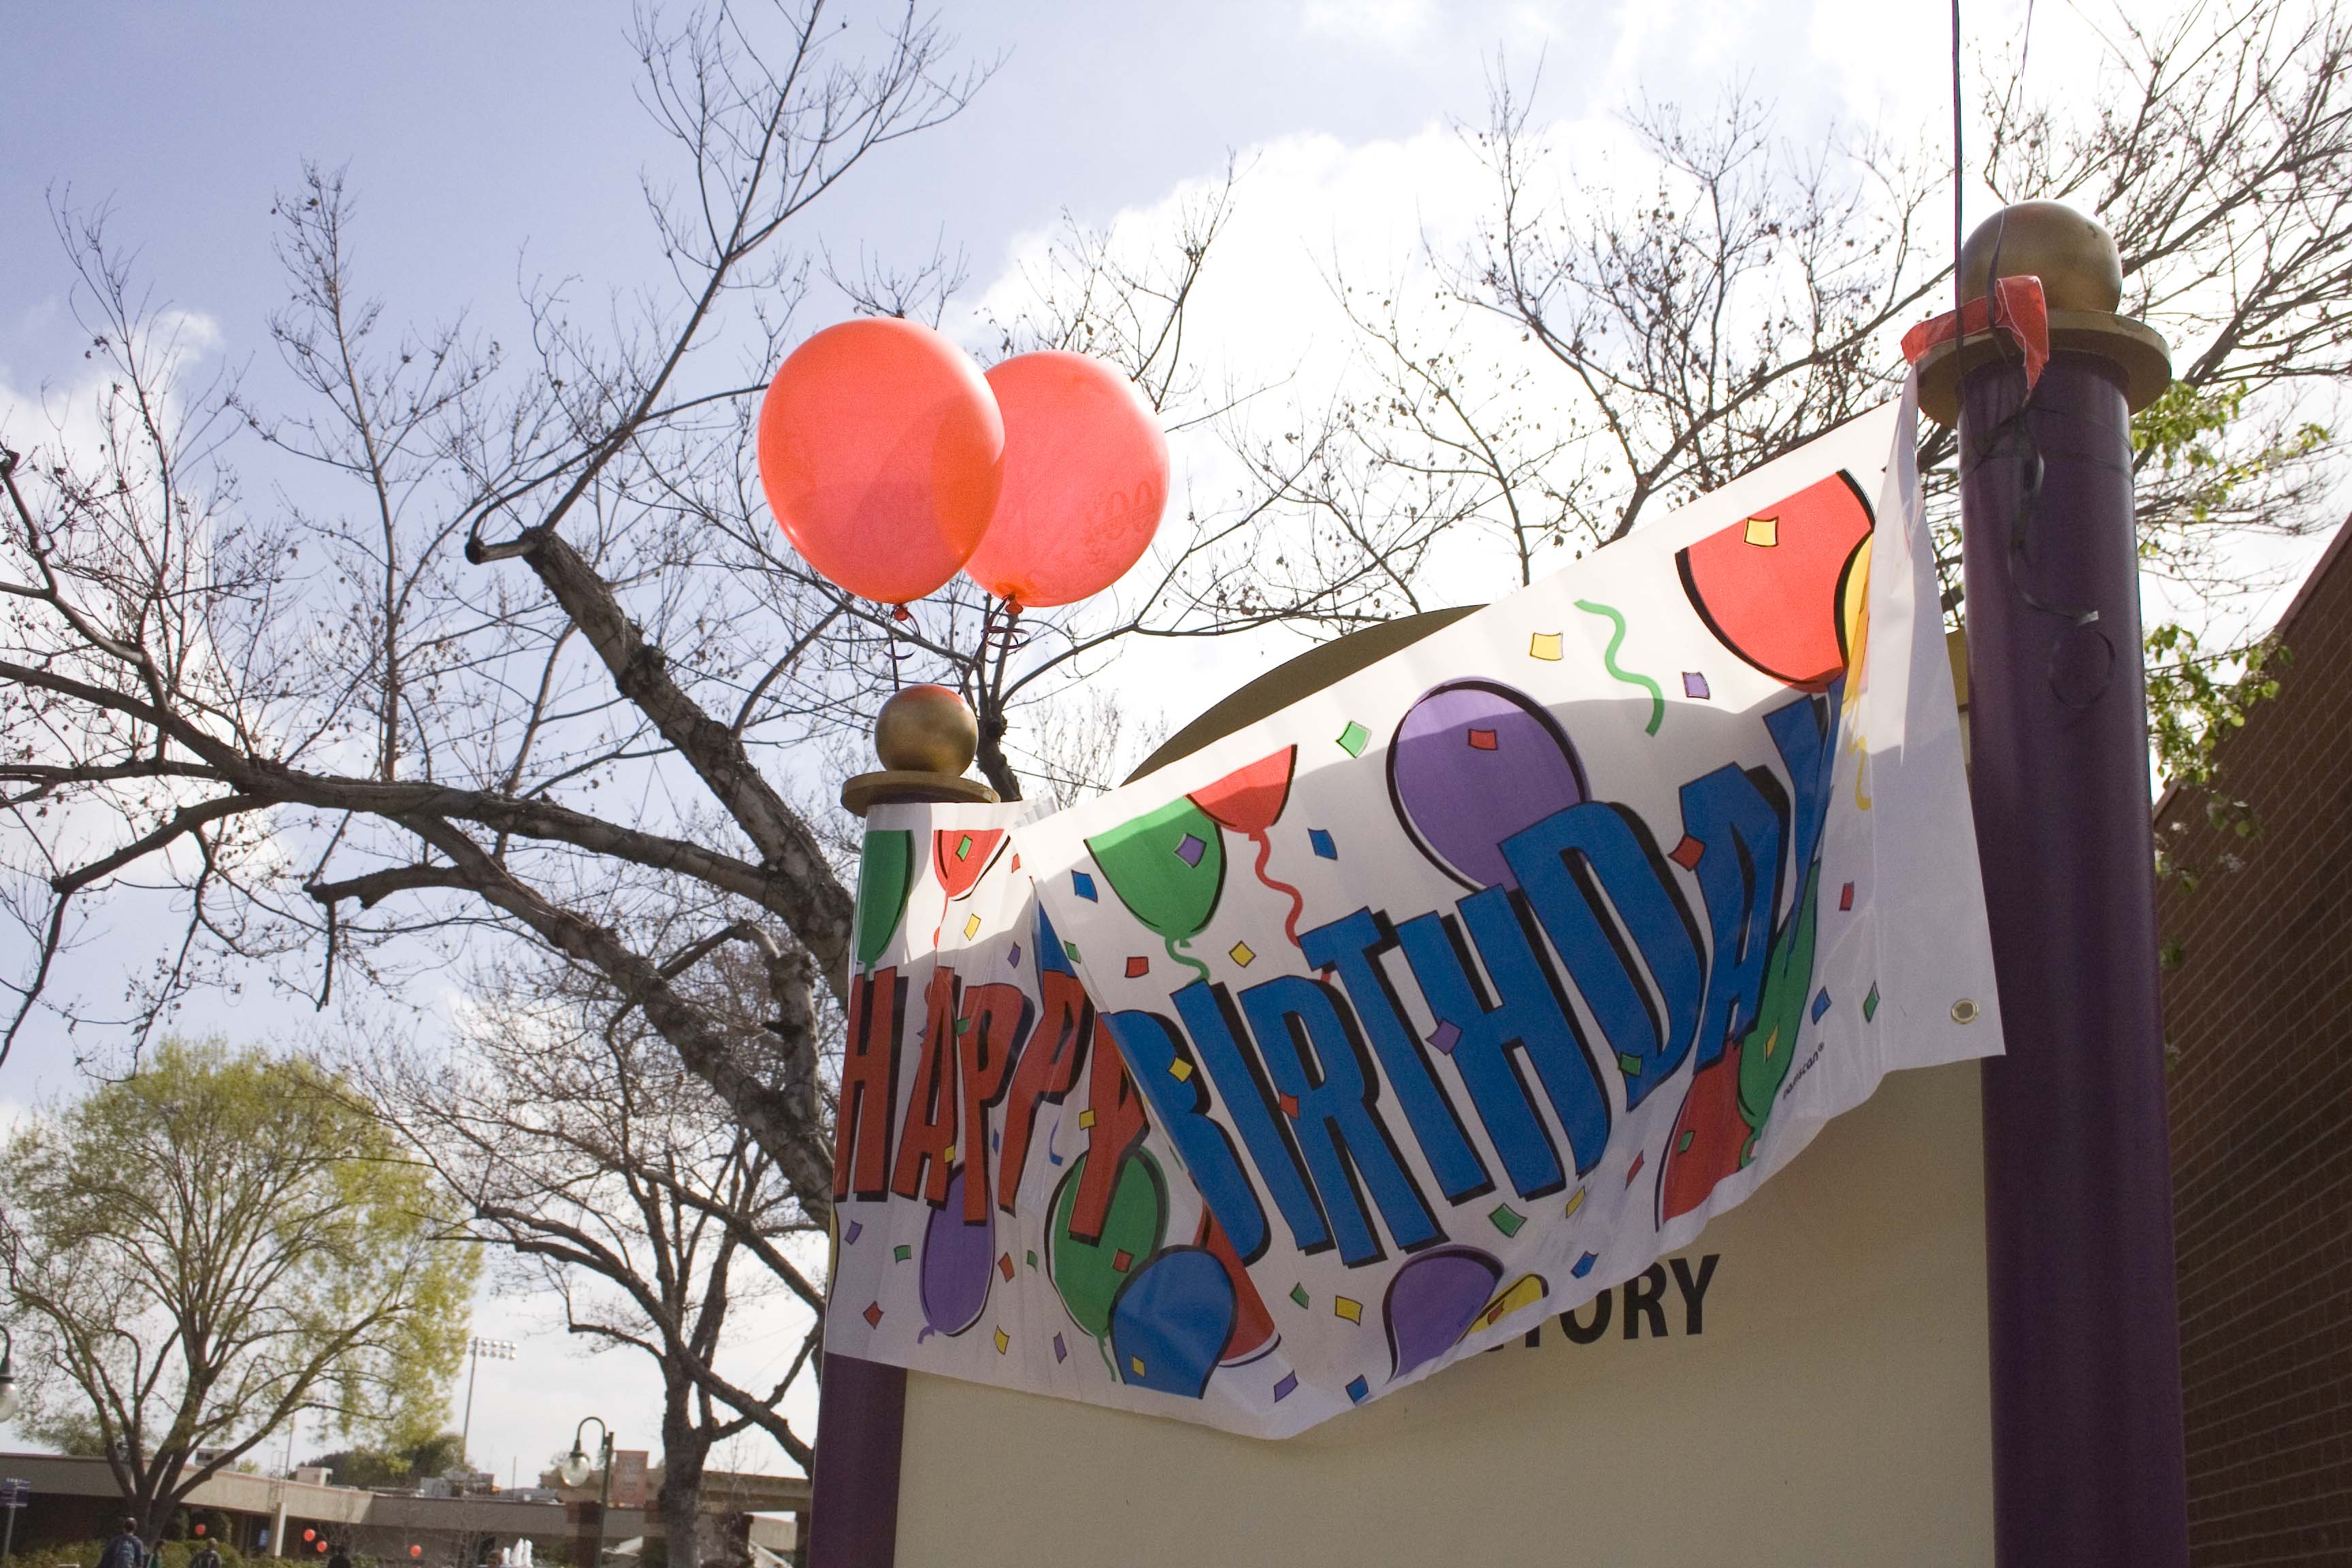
(205, 1557)
(342, 1557)
(126, 1549)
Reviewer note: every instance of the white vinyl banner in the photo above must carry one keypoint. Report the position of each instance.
(1445, 999)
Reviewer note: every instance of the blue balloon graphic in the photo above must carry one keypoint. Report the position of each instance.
(1170, 1323)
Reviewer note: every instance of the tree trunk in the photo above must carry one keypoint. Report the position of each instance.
(684, 1452)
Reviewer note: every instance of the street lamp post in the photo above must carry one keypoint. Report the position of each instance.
(496, 1349)
(574, 1470)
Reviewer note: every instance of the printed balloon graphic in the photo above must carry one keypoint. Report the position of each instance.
(1525, 1291)
(1475, 762)
(1087, 1275)
(1168, 867)
(1433, 1300)
(1781, 589)
(1086, 478)
(1048, 953)
(1249, 800)
(960, 857)
(958, 1260)
(1169, 1324)
(1252, 1333)
(885, 876)
(881, 451)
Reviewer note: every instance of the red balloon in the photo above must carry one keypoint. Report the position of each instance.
(310, 1535)
(881, 451)
(1086, 476)
(200, 1530)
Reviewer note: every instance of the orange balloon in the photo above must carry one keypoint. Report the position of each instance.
(881, 451)
(1086, 478)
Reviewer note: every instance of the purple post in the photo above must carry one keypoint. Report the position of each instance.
(861, 1422)
(926, 737)
(2088, 1465)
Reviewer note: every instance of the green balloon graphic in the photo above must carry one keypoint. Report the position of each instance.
(1087, 1274)
(885, 877)
(1781, 1011)
(1167, 867)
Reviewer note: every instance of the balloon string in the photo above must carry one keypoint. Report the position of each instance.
(1297, 901)
(1186, 959)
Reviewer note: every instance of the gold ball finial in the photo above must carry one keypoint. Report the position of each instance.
(927, 729)
(2072, 254)
(2082, 283)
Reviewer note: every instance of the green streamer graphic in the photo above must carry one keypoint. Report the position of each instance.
(1631, 678)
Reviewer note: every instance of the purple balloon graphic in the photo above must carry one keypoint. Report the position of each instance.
(1473, 762)
(958, 1259)
(1433, 1300)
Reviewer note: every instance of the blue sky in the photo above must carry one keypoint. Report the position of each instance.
(488, 138)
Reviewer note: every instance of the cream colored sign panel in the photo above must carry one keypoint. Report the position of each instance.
(1807, 1385)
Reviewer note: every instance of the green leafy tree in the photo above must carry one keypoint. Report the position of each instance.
(403, 1465)
(203, 1252)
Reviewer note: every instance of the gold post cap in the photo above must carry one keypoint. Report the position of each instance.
(2082, 282)
(2073, 256)
(926, 737)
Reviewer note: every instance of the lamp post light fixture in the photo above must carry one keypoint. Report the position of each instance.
(496, 1349)
(9, 1400)
(573, 1469)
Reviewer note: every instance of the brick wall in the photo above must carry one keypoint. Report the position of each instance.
(2258, 1022)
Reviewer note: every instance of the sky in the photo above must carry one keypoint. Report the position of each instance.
(488, 143)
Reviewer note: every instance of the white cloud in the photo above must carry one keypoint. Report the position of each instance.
(1389, 23)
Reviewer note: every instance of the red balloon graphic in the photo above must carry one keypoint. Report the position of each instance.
(960, 856)
(1247, 801)
(1772, 588)
(882, 452)
(310, 1535)
(1086, 476)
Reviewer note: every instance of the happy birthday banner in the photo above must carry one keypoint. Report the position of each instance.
(1449, 997)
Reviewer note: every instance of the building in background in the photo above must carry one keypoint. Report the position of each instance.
(75, 1499)
(2258, 1026)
